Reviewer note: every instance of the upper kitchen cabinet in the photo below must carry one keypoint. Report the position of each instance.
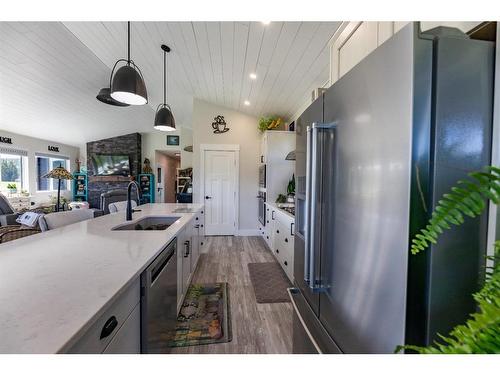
(353, 41)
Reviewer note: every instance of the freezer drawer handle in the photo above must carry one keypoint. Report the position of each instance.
(108, 327)
(292, 291)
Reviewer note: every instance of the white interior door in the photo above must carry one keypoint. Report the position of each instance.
(220, 192)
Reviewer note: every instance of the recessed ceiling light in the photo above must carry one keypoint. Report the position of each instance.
(266, 22)
(253, 76)
(246, 102)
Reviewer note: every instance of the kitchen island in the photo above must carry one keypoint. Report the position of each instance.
(55, 285)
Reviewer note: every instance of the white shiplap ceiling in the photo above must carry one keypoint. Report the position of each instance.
(50, 72)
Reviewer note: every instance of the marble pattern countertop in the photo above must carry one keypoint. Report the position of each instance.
(54, 285)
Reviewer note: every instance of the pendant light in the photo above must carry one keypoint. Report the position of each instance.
(127, 84)
(164, 119)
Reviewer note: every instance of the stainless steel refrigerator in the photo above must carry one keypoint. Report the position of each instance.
(374, 154)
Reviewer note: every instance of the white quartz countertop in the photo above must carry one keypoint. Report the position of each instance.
(54, 285)
(278, 208)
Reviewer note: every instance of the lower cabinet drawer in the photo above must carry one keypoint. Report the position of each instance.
(128, 338)
(102, 332)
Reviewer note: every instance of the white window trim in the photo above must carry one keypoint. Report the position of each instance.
(52, 156)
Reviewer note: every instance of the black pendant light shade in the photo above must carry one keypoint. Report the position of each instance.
(164, 119)
(127, 83)
(128, 86)
(105, 97)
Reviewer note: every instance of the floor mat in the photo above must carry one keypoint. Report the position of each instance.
(269, 282)
(204, 317)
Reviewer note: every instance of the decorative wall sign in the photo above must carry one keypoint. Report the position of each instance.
(172, 140)
(6, 140)
(53, 148)
(219, 125)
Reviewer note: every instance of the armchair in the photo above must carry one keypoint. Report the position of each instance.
(14, 232)
(7, 214)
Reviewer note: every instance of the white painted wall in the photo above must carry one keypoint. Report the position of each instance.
(36, 145)
(243, 131)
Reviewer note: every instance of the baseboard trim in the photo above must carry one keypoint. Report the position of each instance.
(248, 232)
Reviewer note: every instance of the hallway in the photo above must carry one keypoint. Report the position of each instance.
(257, 328)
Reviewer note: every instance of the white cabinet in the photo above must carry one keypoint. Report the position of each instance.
(281, 238)
(128, 338)
(119, 319)
(189, 240)
(184, 239)
(355, 40)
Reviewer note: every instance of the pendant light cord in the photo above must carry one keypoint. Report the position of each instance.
(128, 42)
(164, 77)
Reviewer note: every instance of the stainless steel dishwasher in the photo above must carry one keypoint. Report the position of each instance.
(159, 301)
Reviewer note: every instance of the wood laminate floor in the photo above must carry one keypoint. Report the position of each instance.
(257, 328)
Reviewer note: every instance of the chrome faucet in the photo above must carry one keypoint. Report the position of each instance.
(129, 199)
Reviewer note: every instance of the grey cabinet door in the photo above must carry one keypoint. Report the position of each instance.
(128, 338)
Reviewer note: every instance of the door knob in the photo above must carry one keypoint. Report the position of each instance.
(207, 197)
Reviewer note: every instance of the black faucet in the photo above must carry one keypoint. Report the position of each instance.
(129, 199)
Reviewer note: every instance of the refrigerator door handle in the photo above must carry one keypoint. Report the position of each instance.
(313, 183)
(307, 224)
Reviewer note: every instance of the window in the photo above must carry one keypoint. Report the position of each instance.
(44, 164)
(11, 172)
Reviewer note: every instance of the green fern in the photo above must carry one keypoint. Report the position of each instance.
(481, 333)
(468, 198)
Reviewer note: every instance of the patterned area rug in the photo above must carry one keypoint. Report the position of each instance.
(204, 317)
(269, 282)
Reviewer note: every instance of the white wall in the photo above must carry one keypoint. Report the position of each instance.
(243, 131)
(36, 145)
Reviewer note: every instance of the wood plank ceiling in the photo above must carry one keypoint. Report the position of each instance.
(48, 69)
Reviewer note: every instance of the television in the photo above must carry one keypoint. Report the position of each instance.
(111, 165)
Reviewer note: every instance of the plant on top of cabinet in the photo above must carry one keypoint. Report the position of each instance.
(281, 198)
(270, 123)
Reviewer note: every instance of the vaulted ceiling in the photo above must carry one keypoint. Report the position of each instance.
(50, 72)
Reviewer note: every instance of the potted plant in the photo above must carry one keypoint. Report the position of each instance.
(480, 333)
(291, 190)
(12, 188)
(270, 123)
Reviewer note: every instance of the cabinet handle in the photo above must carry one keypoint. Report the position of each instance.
(277, 231)
(268, 221)
(286, 263)
(186, 245)
(202, 225)
(196, 218)
(262, 158)
(286, 239)
(108, 327)
(277, 251)
(272, 215)
(196, 226)
(291, 229)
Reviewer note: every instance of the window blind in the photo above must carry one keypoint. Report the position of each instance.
(53, 156)
(13, 151)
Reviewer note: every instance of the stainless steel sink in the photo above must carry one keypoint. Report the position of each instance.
(149, 223)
